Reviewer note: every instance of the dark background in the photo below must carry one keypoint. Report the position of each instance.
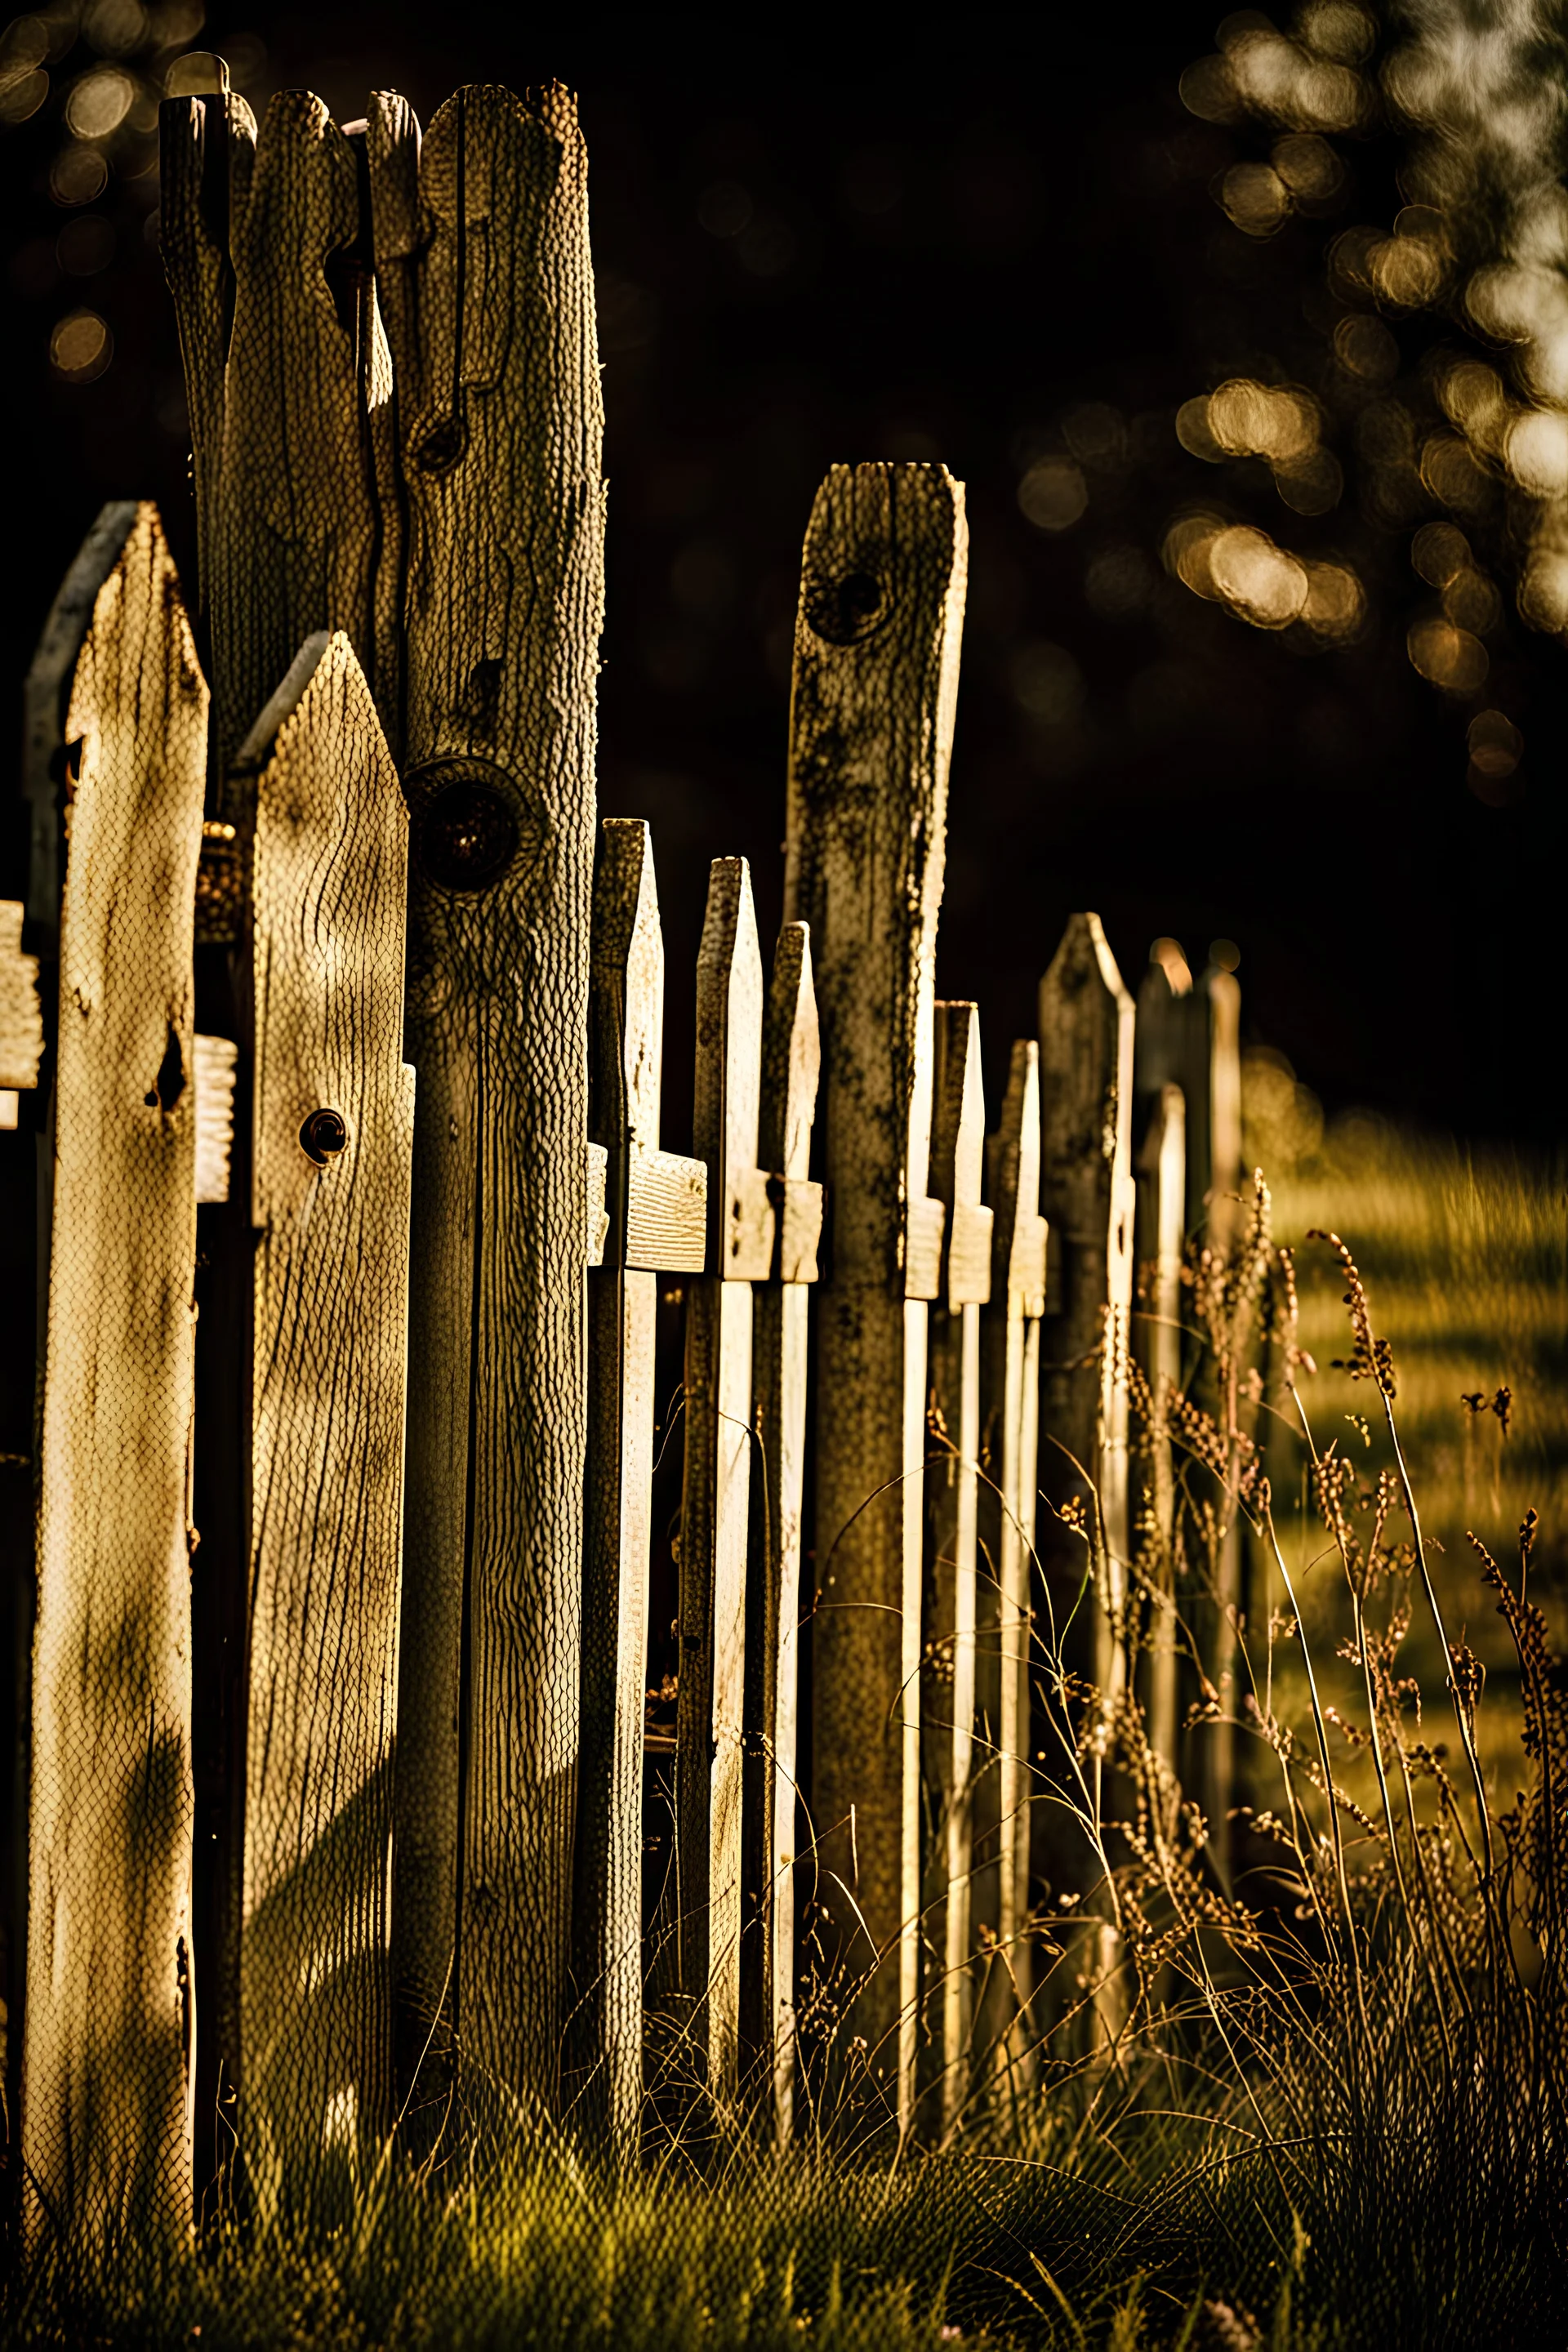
(880, 240)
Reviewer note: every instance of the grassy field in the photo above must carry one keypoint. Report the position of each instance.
(1350, 2130)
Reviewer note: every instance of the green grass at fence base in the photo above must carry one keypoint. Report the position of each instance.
(1104, 2219)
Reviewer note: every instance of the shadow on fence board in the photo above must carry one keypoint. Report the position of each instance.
(349, 1398)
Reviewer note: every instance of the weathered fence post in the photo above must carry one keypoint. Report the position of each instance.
(715, 1505)
(106, 2122)
(482, 229)
(1086, 1019)
(876, 672)
(21, 1024)
(1009, 1421)
(792, 1061)
(947, 1648)
(656, 1207)
(332, 1142)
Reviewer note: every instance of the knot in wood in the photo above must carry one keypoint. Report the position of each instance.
(465, 834)
(323, 1135)
(844, 608)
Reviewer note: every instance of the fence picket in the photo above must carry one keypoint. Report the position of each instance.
(1161, 1209)
(947, 1655)
(106, 2128)
(627, 1023)
(1086, 1022)
(1009, 1399)
(875, 673)
(487, 224)
(333, 1133)
(715, 1495)
(792, 1063)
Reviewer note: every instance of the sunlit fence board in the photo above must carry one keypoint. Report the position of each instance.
(106, 2125)
(330, 1196)
(876, 674)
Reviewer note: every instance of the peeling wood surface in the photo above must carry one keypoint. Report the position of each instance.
(715, 1496)
(330, 1203)
(875, 673)
(482, 267)
(625, 1040)
(791, 1069)
(106, 2131)
(947, 1653)
(1004, 1641)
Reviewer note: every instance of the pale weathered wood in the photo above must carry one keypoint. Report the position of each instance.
(876, 673)
(482, 267)
(1086, 1022)
(1004, 1646)
(947, 1649)
(625, 1042)
(332, 1145)
(709, 1718)
(790, 1068)
(21, 1014)
(1157, 1338)
(212, 1079)
(105, 2119)
(45, 734)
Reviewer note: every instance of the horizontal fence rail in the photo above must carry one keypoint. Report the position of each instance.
(332, 1772)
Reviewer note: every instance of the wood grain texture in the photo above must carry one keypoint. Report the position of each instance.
(715, 1492)
(1157, 1342)
(791, 1069)
(876, 672)
(334, 1135)
(45, 693)
(1086, 1183)
(106, 2128)
(947, 1646)
(21, 1014)
(626, 1050)
(1003, 1636)
(482, 267)
(1086, 1022)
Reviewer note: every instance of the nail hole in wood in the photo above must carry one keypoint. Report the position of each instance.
(465, 837)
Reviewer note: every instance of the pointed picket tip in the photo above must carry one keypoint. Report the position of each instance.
(958, 1106)
(1013, 1157)
(627, 985)
(791, 1057)
(727, 1104)
(138, 616)
(1082, 962)
(324, 675)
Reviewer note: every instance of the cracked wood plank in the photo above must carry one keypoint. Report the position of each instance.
(333, 1133)
(876, 674)
(481, 254)
(792, 1065)
(947, 1653)
(106, 2124)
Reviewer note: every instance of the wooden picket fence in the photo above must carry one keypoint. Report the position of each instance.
(357, 1219)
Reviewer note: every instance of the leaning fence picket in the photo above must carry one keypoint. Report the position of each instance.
(656, 1219)
(947, 1630)
(106, 2113)
(792, 1061)
(875, 673)
(1009, 1408)
(332, 1144)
